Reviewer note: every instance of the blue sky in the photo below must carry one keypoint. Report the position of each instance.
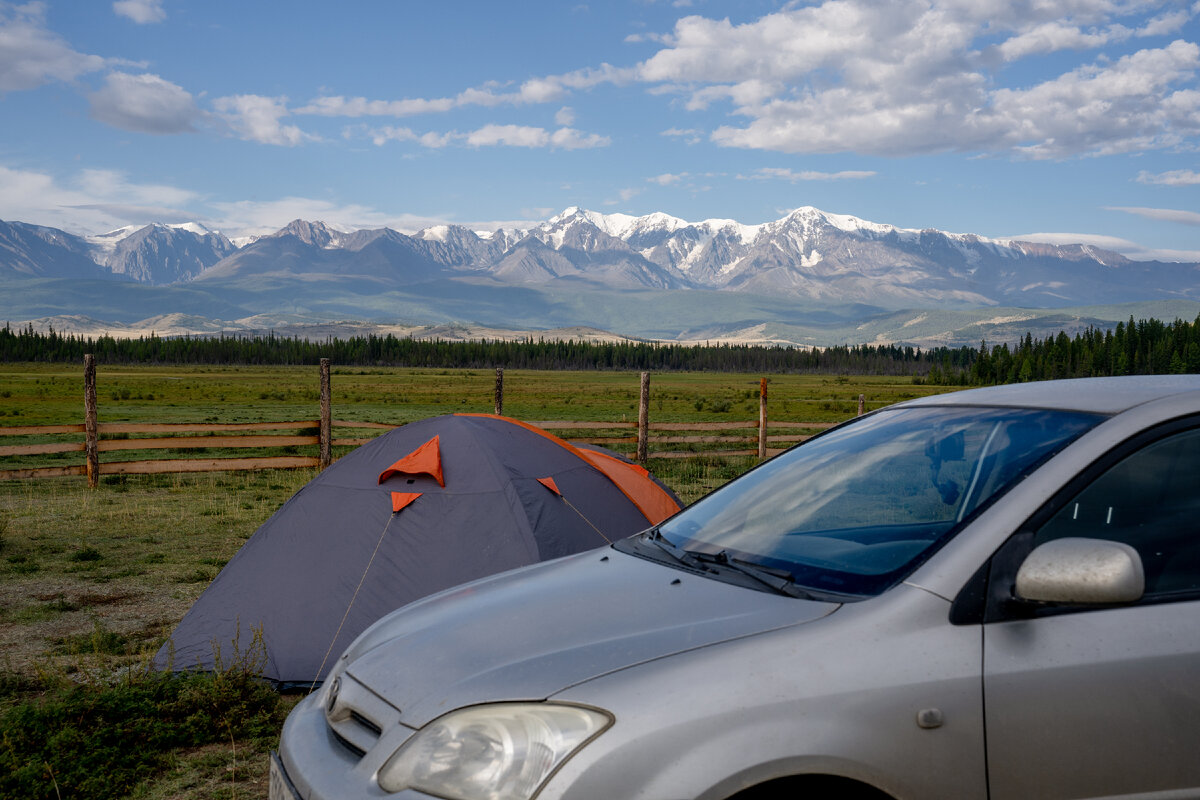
(1063, 121)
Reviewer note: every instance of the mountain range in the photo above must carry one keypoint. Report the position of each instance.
(654, 275)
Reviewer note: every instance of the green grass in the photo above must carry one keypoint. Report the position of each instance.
(110, 741)
(44, 394)
(93, 581)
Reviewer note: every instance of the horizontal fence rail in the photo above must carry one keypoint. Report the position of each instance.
(660, 434)
(642, 439)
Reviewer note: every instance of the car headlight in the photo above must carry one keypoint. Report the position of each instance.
(500, 751)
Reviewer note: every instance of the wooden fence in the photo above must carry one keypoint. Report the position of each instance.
(650, 440)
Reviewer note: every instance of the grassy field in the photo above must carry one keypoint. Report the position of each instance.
(92, 581)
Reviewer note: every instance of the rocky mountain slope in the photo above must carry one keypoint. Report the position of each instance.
(808, 257)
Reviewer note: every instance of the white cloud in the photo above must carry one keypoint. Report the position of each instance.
(623, 196)
(110, 185)
(1125, 247)
(99, 200)
(571, 139)
(92, 201)
(689, 135)
(1175, 177)
(1114, 243)
(565, 116)
(31, 55)
(1052, 36)
(381, 136)
(510, 135)
(547, 89)
(914, 77)
(1121, 107)
(1165, 24)
(638, 38)
(770, 173)
(255, 218)
(666, 179)
(494, 136)
(142, 12)
(361, 107)
(257, 119)
(1163, 214)
(144, 103)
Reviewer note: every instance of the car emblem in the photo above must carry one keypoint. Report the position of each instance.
(333, 695)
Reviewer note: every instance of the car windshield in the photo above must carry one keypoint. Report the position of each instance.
(853, 511)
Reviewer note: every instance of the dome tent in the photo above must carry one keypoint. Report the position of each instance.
(424, 507)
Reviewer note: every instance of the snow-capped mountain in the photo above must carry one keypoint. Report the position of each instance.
(35, 251)
(808, 255)
(160, 254)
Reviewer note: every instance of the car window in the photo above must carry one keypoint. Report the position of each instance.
(1151, 501)
(856, 509)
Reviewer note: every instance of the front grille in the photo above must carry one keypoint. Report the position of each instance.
(346, 743)
(366, 723)
(358, 716)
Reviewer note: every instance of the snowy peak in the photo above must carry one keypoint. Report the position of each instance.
(807, 255)
(160, 254)
(316, 234)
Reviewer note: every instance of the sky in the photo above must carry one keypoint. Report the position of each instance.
(1071, 121)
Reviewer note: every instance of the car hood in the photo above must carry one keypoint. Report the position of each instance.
(528, 634)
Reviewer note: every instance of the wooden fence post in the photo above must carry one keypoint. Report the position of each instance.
(325, 431)
(90, 423)
(499, 391)
(862, 404)
(644, 419)
(762, 418)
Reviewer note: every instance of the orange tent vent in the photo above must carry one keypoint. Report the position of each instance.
(402, 499)
(425, 460)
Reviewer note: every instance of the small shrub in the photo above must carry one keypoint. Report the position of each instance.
(102, 741)
(87, 554)
(22, 564)
(100, 641)
(196, 576)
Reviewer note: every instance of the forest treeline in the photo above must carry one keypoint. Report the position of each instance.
(1133, 347)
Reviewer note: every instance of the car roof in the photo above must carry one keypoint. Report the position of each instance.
(1095, 395)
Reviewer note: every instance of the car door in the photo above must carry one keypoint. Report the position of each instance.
(1104, 701)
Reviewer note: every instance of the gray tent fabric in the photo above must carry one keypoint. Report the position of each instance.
(512, 496)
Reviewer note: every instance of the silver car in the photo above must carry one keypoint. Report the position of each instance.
(988, 594)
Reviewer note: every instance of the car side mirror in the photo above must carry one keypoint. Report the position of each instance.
(1081, 571)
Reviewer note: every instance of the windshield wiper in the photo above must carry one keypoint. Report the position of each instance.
(778, 580)
(685, 557)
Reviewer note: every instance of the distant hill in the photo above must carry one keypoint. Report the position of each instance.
(798, 279)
